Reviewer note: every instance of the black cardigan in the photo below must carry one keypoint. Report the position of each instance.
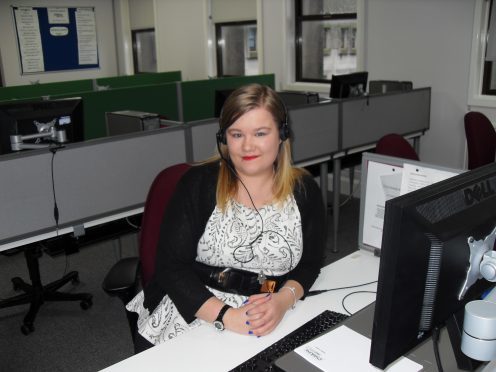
(184, 223)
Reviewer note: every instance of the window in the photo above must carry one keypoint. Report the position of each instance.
(236, 48)
(144, 54)
(325, 39)
(482, 82)
(489, 72)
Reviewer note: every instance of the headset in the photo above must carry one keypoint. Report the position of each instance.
(284, 134)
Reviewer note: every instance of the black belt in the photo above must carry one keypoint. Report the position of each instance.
(237, 281)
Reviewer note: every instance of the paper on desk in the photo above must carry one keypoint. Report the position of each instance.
(346, 350)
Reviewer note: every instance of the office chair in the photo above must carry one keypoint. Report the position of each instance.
(35, 293)
(481, 139)
(130, 274)
(395, 145)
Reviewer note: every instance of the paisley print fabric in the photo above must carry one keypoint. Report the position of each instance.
(268, 240)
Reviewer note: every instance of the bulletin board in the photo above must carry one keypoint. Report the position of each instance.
(56, 38)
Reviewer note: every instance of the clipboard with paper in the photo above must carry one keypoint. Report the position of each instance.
(386, 177)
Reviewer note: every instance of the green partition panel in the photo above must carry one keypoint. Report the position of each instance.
(160, 99)
(199, 95)
(139, 79)
(46, 89)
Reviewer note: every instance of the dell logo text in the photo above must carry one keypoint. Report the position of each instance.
(478, 192)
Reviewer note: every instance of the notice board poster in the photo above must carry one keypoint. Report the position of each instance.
(56, 38)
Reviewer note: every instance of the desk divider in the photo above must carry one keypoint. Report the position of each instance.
(198, 97)
(103, 176)
(93, 180)
(314, 130)
(201, 139)
(36, 91)
(159, 98)
(139, 79)
(366, 119)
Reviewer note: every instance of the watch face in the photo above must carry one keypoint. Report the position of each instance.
(219, 325)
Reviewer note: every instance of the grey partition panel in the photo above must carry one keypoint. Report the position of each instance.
(203, 140)
(26, 194)
(104, 178)
(92, 180)
(366, 120)
(314, 129)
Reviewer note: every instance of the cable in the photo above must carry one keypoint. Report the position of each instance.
(53, 150)
(132, 224)
(320, 291)
(352, 293)
(435, 345)
(250, 245)
(56, 215)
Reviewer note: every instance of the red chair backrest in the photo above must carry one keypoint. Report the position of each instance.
(481, 139)
(158, 197)
(395, 145)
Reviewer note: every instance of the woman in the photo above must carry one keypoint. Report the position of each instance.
(243, 237)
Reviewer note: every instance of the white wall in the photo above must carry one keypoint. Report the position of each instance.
(105, 34)
(141, 14)
(428, 42)
(272, 29)
(234, 10)
(181, 32)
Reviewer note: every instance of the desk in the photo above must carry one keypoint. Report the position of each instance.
(206, 349)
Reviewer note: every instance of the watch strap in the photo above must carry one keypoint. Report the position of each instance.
(222, 312)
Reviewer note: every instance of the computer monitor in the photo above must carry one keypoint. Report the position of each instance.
(425, 258)
(349, 85)
(37, 116)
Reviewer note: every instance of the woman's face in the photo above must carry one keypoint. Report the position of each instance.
(253, 143)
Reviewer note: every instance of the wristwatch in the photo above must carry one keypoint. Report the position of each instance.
(218, 323)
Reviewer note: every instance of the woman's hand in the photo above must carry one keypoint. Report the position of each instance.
(238, 320)
(265, 312)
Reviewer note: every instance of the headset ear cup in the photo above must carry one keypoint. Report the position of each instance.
(221, 137)
(284, 131)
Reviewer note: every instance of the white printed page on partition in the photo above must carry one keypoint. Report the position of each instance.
(416, 177)
(383, 183)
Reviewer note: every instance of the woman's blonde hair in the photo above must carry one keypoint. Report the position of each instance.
(241, 101)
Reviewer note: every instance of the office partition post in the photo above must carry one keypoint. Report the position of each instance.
(336, 191)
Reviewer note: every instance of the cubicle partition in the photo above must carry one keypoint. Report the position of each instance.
(314, 131)
(94, 182)
(201, 139)
(198, 97)
(313, 127)
(36, 91)
(108, 176)
(138, 79)
(74, 87)
(366, 119)
(158, 98)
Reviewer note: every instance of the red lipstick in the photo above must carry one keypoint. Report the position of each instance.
(249, 157)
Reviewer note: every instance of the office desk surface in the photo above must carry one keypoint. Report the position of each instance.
(208, 350)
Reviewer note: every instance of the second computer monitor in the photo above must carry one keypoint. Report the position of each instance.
(349, 85)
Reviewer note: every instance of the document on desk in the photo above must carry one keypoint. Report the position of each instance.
(346, 350)
(383, 183)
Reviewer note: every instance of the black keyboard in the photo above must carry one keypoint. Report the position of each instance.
(264, 360)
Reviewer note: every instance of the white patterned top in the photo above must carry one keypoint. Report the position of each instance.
(269, 240)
